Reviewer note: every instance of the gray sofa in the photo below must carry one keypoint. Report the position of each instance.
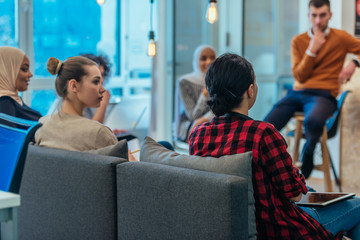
(74, 195)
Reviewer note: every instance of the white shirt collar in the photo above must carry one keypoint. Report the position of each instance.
(326, 32)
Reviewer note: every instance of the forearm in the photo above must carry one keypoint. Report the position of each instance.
(194, 105)
(200, 108)
(302, 66)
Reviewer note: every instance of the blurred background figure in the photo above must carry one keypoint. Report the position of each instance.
(191, 95)
(15, 76)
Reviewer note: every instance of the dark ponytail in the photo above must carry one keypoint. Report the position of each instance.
(227, 79)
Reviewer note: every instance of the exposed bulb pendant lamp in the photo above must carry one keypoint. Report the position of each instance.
(211, 13)
(151, 46)
(100, 2)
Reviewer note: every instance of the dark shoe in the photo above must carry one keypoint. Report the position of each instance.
(307, 165)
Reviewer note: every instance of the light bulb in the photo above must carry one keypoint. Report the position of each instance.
(100, 2)
(211, 13)
(152, 45)
(151, 48)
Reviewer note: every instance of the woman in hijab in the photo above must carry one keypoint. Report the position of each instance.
(14, 77)
(191, 95)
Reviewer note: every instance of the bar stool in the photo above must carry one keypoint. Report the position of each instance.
(329, 131)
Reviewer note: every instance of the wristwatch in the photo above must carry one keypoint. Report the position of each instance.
(356, 61)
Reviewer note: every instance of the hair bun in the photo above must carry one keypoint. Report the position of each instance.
(54, 65)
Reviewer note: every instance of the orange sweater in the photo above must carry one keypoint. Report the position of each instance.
(322, 71)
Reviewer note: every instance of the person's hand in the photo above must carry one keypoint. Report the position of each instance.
(317, 42)
(101, 110)
(131, 157)
(347, 72)
(106, 99)
(205, 92)
(119, 131)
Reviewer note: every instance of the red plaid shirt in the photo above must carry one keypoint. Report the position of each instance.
(275, 179)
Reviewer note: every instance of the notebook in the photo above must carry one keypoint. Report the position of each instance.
(129, 135)
(323, 198)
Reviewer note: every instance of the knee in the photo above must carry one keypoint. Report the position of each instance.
(314, 125)
(166, 145)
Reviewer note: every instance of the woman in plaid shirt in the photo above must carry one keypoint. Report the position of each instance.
(277, 183)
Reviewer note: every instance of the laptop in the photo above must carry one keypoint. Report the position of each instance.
(129, 135)
(323, 199)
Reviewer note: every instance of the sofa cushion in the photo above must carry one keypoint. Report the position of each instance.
(238, 165)
(119, 149)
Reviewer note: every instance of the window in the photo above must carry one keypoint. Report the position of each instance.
(7, 24)
(65, 28)
(62, 28)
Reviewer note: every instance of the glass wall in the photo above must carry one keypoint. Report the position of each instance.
(259, 47)
(191, 30)
(269, 27)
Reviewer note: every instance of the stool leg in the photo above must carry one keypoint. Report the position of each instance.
(326, 161)
(337, 180)
(298, 135)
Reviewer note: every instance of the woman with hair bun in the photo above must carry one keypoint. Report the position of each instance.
(15, 76)
(78, 83)
(191, 95)
(276, 182)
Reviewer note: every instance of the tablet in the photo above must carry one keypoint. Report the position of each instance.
(323, 198)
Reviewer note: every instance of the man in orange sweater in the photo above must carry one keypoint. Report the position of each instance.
(317, 65)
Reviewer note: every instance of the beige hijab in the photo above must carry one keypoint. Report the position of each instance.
(10, 62)
(197, 76)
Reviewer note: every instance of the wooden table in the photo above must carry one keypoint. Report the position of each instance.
(9, 202)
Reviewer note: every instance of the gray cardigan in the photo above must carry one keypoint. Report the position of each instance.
(190, 104)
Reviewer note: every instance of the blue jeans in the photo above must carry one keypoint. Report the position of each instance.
(341, 216)
(317, 105)
(167, 145)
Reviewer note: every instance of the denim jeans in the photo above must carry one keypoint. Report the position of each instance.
(318, 106)
(341, 216)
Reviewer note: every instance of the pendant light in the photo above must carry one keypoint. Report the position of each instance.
(151, 45)
(211, 13)
(100, 2)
